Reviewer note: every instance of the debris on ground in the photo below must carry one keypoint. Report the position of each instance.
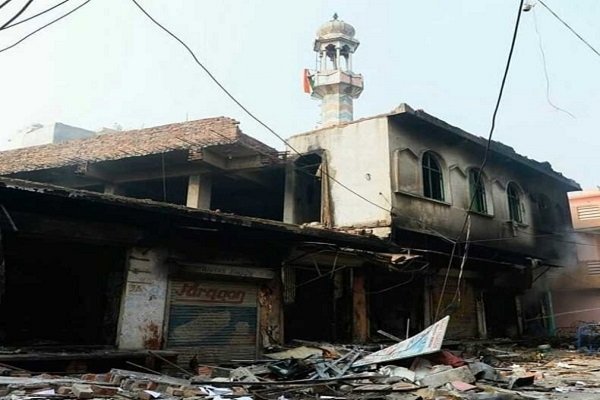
(413, 369)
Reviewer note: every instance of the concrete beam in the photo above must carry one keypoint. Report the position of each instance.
(232, 163)
(76, 229)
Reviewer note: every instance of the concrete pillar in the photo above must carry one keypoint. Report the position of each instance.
(289, 199)
(141, 321)
(338, 62)
(199, 191)
(360, 321)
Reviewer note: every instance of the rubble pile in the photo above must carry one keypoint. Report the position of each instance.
(325, 371)
(412, 369)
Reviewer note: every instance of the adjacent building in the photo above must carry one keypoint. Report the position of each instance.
(576, 291)
(38, 134)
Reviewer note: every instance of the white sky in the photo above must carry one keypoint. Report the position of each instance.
(107, 63)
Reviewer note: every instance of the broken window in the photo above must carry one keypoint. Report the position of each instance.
(433, 180)
(477, 191)
(514, 203)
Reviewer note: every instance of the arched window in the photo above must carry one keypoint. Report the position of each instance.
(477, 191)
(514, 203)
(433, 179)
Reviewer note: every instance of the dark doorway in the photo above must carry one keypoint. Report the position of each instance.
(59, 293)
(500, 313)
(395, 304)
(322, 308)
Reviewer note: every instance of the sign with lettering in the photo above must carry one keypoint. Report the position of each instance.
(425, 342)
(212, 293)
(226, 270)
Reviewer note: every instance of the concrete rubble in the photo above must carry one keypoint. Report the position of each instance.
(411, 369)
(326, 371)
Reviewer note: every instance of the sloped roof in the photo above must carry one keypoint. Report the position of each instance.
(134, 143)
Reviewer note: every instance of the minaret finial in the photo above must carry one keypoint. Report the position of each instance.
(335, 16)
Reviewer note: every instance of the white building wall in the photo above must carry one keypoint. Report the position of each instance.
(365, 171)
(143, 309)
(38, 135)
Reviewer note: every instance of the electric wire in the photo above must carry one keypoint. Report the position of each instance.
(303, 171)
(44, 26)
(35, 15)
(537, 31)
(17, 15)
(409, 280)
(249, 113)
(211, 76)
(487, 147)
(548, 235)
(5, 3)
(571, 29)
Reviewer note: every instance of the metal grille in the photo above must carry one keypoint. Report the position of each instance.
(216, 321)
(588, 212)
(289, 284)
(593, 268)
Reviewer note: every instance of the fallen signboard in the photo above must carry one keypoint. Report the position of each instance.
(425, 342)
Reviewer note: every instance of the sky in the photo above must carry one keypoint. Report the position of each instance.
(107, 65)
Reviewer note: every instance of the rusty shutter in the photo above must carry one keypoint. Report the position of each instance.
(463, 314)
(216, 321)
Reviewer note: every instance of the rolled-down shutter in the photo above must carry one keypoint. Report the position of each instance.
(216, 321)
(463, 313)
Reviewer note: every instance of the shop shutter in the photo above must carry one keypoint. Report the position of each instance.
(214, 320)
(463, 314)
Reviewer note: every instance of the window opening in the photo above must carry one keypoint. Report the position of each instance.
(477, 187)
(514, 203)
(433, 180)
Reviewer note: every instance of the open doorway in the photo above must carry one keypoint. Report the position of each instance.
(322, 306)
(60, 293)
(500, 313)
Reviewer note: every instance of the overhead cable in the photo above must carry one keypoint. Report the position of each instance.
(543, 53)
(571, 29)
(249, 113)
(307, 173)
(487, 148)
(45, 26)
(35, 15)
(17, 15)
(5, 3)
